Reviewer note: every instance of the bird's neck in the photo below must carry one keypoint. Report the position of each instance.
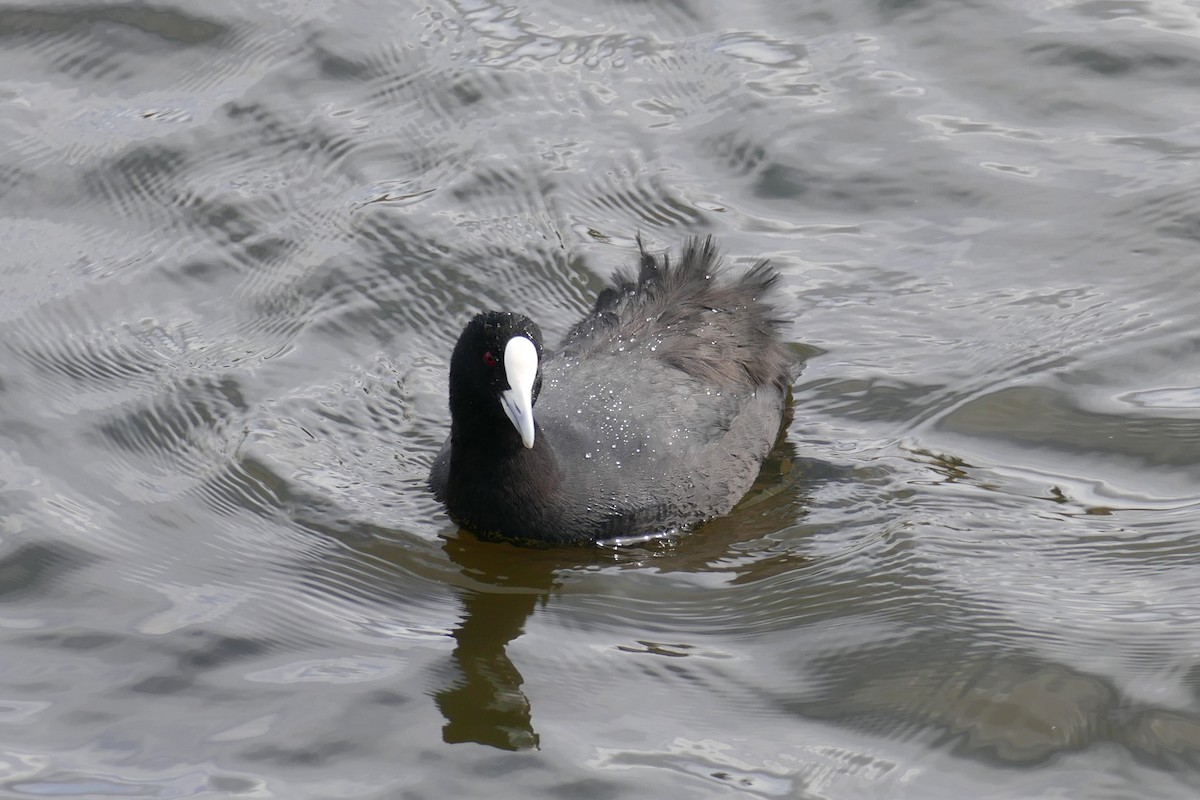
(489, 459)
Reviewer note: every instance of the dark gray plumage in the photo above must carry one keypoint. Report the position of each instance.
(655, 413)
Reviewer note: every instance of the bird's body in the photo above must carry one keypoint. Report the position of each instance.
(655, 413)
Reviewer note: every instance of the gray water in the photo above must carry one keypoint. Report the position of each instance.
(238, 241)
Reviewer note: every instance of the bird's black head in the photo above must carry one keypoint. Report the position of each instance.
(495, 373)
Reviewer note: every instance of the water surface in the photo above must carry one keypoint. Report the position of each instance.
(240, 239)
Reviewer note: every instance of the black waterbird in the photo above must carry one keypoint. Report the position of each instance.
(655, 412)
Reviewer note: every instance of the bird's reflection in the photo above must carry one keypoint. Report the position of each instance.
(484, 703)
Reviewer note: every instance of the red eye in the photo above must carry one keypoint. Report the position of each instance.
(489, 359)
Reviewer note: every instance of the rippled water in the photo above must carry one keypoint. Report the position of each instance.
(240, 239)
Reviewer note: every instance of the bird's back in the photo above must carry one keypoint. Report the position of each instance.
(674, 387)
(720, 332)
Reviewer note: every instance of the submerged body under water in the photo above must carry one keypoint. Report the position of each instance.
(240, 243)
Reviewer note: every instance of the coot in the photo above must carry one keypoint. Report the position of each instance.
(655, 412)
